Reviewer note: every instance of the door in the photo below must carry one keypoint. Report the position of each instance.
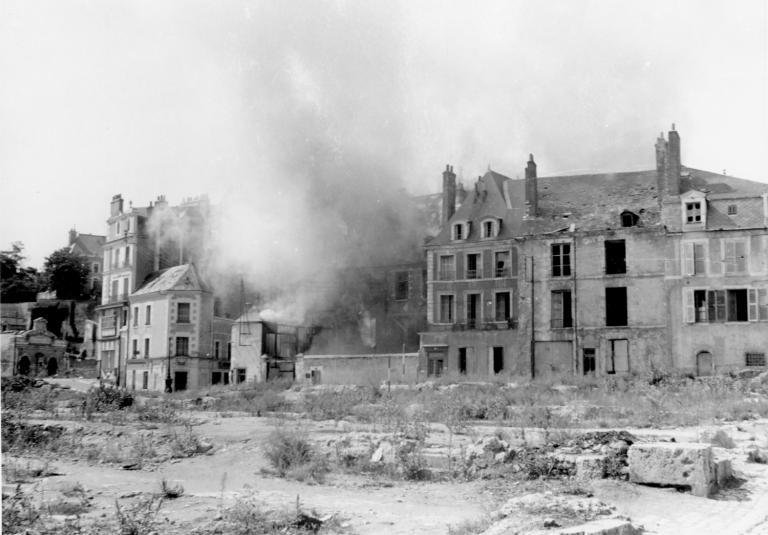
(704, 363)
(53, 366)
(24, 365)
(179, 381)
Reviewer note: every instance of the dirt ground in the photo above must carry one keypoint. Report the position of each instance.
(236, 466)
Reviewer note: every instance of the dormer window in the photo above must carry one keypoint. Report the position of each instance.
(460, 230)
(629, 219)
(489, 228)
(693, 212)
(732, 210)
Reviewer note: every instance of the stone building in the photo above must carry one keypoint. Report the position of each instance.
(603, 273)
(89, 246)
(36, 351)
(173, 333)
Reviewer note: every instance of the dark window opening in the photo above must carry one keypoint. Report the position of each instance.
(463, 360)
(146, 348)
(755, 359)
(561, 309)
(498, 359)
(501, 261)
(693, 212)
(473, 310)
(628, 219)
(240, 377)
(589, 360)
(401, 285)
(737, 305)
(503, 309)
(615, 257)
(424, 286)
(473, 261)
(435, 366)
(561, 260)
(700, 306)
(616, 307)
(458, 231)
(715, 305)
(145, 380)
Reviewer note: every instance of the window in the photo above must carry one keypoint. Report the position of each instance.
(755, 359)
(463, 360)
(732, 209)
(460, 231)
(735, 257)
(615, 257)
(561, 260)
(144, 380)
(135, 316)
(216, 349)
(473, 263)
(762, 304)
(502, 306)
(182, 313)
(446, 309)
(125, 288)
(561, 309)
(401, 285)
(240, 377)
(447, 268)
(736, 304)
(127, 259)
(115, 290)
(424, 286)
(693, 212)
(498, 359)
(490, 228)
(618, 357)
(182, 345)
(716, 305)
(148, 315)
(616, 307)
(146, 348)
(95, 268)
(473, 310)
(628, 219)
(694, 258)
(501, 263)
(229, 350)
(135, 346)
(124, 318)
(435, 364)
(588, 365)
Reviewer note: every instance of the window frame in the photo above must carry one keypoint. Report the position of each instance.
(398, 295)
(449, 275)
(615, 289)
(560, 261)
(188, 315)
(179, 345)
(612, 265)
(560, 322)
(478, 271)
(728, 260)
(452, 310)
(509, 293)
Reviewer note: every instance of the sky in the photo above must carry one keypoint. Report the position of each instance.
(275, 108)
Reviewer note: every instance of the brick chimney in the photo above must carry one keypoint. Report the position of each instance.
(449, 194)
(673, 165)
(531, 189)
(116, 206)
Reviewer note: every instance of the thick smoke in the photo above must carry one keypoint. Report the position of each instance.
(326, 123)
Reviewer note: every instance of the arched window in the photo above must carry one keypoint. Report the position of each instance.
(629, 219)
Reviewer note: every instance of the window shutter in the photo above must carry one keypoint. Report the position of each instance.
(711, 306)
(740, 252)
(688, 268)
(689, 312)
(762, 304)
(729, 260)
(752, 300)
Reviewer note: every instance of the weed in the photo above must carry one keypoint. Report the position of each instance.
(290, 454)
(169, 491)
(138, 518)
(186, 444)
(19, 513)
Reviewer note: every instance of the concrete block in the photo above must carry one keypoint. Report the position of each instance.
(722, 472)
(678, 464)
(585, 465)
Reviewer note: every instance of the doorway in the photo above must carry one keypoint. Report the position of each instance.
(704, 363)
(24, 366)
(53, 366)
(179, 381)
(498, 359)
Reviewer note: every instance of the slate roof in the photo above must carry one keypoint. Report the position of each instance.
(89, 244)
(183, 277)
(595, 202)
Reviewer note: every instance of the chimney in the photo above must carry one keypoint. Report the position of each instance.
(72, 236)
(116, 206)
(161, 202)
(531, 189)
(673, 166)
(449, 194)
(461, 193)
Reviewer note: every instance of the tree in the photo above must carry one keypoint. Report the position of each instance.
(67, 274)
(18, 284)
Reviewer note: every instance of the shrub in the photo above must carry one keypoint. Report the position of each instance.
(290, 454)
(169, 491)
(19, 513)
(138, 518)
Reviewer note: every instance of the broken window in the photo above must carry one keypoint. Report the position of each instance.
(182, 313)
(693, 212)
(735, 258)
(561, 309)
(462, 360)
(615, 257)
(755, 359)
(401, 285)
(589, 361)
(498, 359)
(446, 309)
(473, 310)
(628, 219)
(618, 357)
(502, 306)
(447, 268)
(561, 260)
(616, 307)
(473, 263)
(182, 346)
(501, 263)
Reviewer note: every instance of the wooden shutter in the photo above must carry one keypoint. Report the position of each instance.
(688, 266)
(762, 304)
(752, 300)
(689, 310)
(740, 253)
(729, 257)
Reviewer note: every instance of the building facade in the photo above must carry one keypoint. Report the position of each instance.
(599, 274)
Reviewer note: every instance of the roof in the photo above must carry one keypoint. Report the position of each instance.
(89, 244)
(594, 202)
(183, 277)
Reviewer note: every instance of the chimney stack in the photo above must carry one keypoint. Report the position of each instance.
(72, 236)
(531, 188)
(116, 206)
(673, 165)
(449, 194)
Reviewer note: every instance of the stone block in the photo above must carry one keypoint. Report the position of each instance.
(585, 465)
(721, 472)
(677, 464)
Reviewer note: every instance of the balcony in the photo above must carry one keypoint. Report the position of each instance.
(117, 298)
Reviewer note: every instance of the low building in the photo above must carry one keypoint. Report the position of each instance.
(36, 352)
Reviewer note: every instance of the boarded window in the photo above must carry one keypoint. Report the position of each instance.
(615, 257)
(616, 307)
(561, 260)
(561, 309)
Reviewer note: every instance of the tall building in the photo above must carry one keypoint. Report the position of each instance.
(604, 273)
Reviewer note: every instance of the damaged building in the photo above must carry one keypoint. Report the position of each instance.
(606, 273)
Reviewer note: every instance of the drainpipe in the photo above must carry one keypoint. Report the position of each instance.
(575, 319)
(533, 325)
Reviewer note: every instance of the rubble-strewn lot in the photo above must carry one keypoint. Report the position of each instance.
(620, 455)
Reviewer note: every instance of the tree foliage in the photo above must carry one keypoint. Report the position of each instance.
(18, 284)
(67, 273)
